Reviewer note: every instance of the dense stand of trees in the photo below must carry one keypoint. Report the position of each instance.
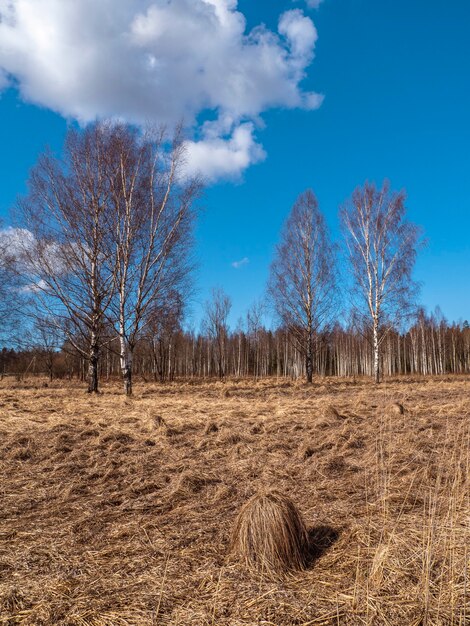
(96, 275)
(431, 346)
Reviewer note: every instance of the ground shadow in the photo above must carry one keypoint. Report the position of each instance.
(320, 539)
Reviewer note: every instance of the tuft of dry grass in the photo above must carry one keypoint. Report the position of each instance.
(119, 512)
(398, 408)
(270, 535)
(330, 412)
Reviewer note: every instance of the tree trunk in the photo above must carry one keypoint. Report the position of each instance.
(128, 380)
(309, 354)
(376, 353)
(309, 368)
(126, 365)
(93, 365)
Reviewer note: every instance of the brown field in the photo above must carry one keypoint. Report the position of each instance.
(119, 512)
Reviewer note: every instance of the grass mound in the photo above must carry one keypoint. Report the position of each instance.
(270, 535)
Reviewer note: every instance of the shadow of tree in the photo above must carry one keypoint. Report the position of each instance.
(320, 539)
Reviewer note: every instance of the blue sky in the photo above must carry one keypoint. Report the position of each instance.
(396, 84)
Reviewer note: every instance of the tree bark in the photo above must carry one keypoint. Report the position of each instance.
(309, 361)
(93, 366)
(376, 353)
(126, 365)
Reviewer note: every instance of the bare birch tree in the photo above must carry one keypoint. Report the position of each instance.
(254, 326)
(152, 218)
(65, 220)
(382, 249)
(216, 327)
(302, 279)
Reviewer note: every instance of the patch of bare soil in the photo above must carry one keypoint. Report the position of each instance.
(118, 512)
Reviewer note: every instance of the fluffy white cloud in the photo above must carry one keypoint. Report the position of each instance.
(147, 60)
(301, 34)
(216, 157)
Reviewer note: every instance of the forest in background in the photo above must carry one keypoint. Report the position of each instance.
(431, 346)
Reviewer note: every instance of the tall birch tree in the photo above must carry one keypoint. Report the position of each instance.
(381, 247)
(302, 283)
(152, 216)
(215, 323)
(8, 292)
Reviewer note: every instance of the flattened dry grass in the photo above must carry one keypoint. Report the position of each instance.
(118, 512)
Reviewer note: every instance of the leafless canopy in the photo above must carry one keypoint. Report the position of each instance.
(216, 326)
(302, 280)
(152, 211)
(107, 234)
(382, 249)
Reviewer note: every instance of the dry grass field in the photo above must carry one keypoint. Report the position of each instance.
(117, 512)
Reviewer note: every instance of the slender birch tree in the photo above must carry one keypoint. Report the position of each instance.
(152, 216)
(215, 324)
(302, 283)
(382, 248)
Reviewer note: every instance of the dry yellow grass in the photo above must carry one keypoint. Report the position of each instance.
(118, 512)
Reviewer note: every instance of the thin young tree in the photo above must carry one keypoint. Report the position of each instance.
(65, 220)
(254, 326)
(215, 325)
(150, 240)
(302, 285)
(382, 248)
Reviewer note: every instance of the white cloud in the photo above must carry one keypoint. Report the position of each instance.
(14, 240)
(38, 287)
(215, 157)
(314, 4)
(241, 263)
(20, 245)
(155, 60)
(300, 32)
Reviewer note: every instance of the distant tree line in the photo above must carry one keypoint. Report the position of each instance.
(96, 277)
(431, 346)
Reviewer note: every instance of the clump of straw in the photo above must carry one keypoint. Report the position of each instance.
(270, 535)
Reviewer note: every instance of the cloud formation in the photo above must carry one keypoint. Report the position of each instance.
(313, 4)
(241, 263)
(216, 157)
(155, 60)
